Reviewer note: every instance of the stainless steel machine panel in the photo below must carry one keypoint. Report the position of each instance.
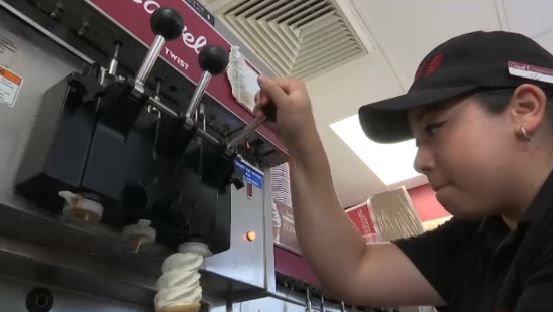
(41, 63)
(245, 259)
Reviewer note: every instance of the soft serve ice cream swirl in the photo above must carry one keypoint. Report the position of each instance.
(179, 283)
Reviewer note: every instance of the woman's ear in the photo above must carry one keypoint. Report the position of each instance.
(528, 108)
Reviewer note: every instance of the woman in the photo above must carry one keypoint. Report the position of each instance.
(480, 113)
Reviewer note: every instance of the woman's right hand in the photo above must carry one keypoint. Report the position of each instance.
(293, 106)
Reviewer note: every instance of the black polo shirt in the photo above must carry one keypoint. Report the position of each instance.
(483, 266)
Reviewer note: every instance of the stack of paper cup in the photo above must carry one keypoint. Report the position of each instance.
(281, 193)
(280, 184)
(277, 223)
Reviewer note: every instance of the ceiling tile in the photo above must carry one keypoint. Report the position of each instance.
(407, 30)
(546, 41)
(530, 17)
(339, 93)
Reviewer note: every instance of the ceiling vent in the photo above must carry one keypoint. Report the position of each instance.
(295, 38)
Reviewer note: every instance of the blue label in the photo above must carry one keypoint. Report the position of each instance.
(250, 174)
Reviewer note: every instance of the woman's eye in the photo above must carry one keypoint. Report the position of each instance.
(433, 128)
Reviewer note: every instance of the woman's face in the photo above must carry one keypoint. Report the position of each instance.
(466, 153)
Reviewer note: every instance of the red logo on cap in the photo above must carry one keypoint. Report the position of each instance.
(427, 68)
(436, 61)
(418, 74)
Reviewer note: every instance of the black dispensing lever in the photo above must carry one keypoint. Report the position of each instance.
(125, 101)
(166, 24)
(213, 60)
(269, 114)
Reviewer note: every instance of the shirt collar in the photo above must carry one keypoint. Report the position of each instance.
(542, 202)
(491, 231)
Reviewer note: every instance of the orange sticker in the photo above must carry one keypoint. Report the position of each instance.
(10, 84)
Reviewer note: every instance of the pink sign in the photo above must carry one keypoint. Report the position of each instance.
(362, 217)
(134, 16)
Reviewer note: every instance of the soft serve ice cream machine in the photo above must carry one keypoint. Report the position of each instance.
(129, 171)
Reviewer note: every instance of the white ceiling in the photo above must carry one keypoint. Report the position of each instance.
(400, 34)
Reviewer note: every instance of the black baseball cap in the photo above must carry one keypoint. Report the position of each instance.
(457, 67)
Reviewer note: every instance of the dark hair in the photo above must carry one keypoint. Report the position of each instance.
(495, 101)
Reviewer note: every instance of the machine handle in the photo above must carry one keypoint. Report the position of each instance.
(269, 114)
(213, 60)
(166, 24)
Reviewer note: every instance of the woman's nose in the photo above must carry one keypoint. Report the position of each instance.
(424, 161)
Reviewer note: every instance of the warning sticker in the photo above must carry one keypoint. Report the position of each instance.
(10, 84)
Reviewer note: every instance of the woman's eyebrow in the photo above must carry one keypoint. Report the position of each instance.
(430, 109)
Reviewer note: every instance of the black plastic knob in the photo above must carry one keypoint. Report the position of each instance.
(167, 22)
(213, 58)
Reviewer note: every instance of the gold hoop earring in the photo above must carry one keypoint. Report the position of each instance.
(525, 134)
